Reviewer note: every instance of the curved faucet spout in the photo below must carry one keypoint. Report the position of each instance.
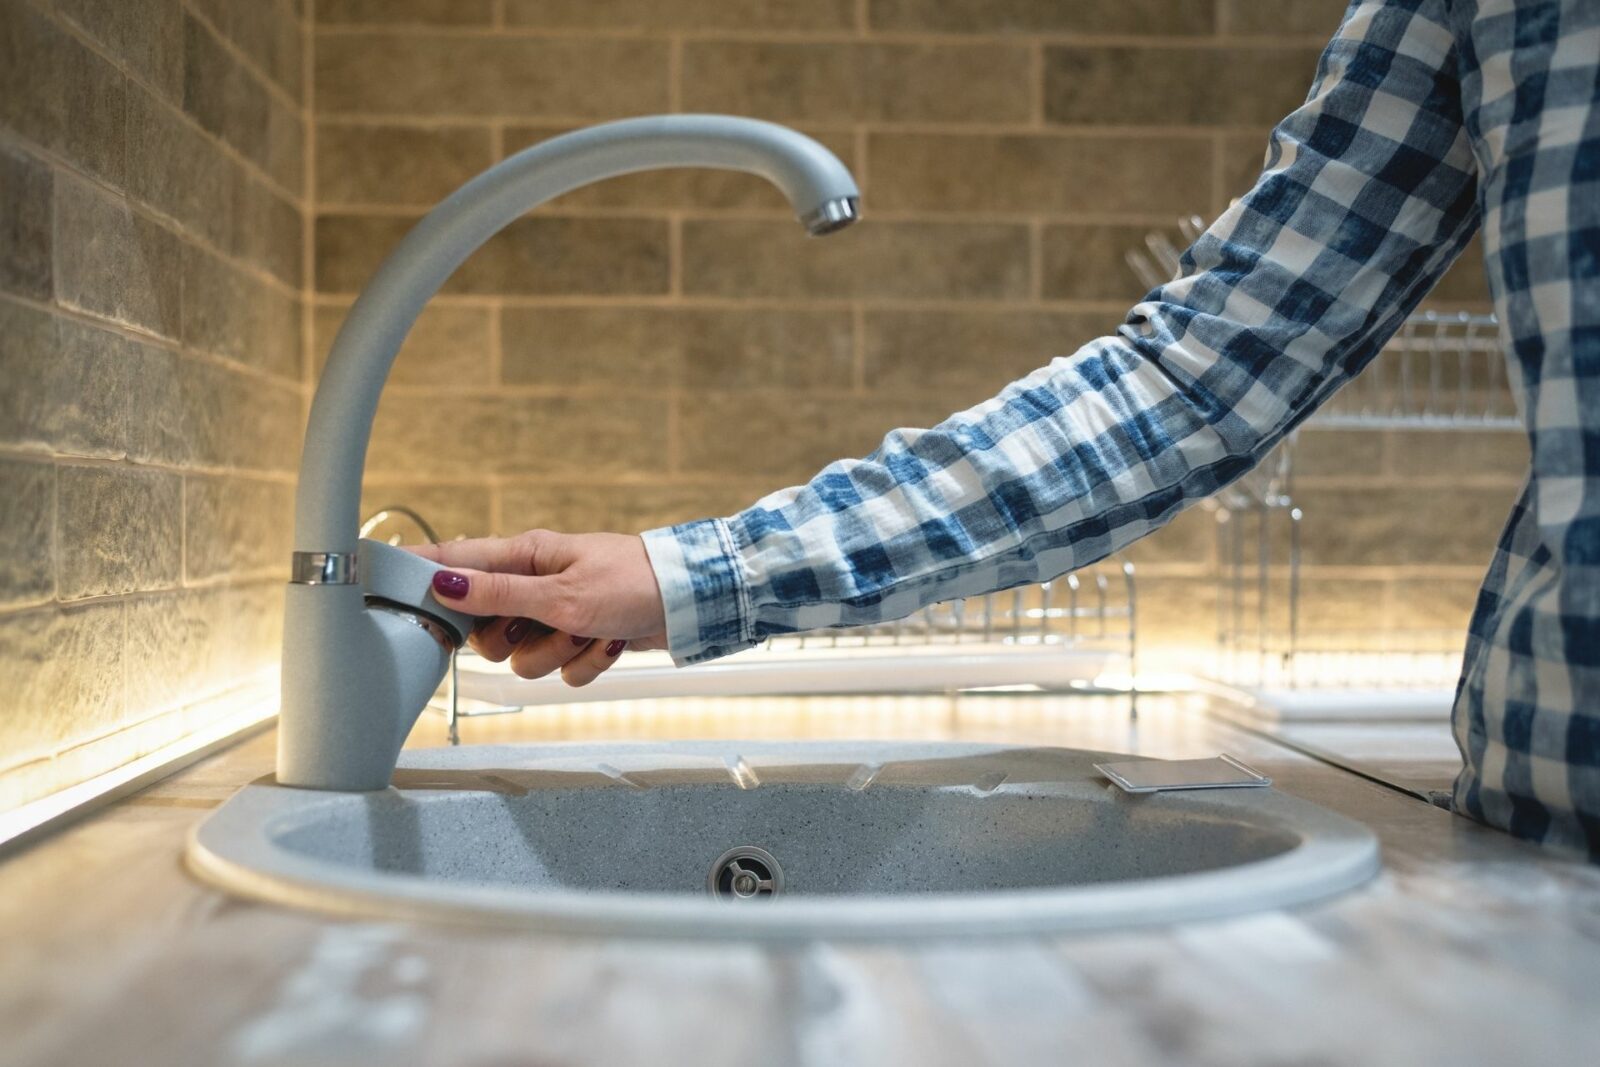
(821, 190)
(365, 643)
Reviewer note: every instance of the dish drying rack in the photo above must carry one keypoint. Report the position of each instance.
(1442, 372)
(1077, 633)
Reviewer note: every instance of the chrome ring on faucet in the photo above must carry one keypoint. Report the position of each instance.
(325, 568)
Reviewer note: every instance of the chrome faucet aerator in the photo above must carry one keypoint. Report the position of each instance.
(832, 216)
(365, 642)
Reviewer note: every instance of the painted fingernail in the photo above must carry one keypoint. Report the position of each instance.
(450, 584)
(581, 640)
(615, 648)
(517, 629)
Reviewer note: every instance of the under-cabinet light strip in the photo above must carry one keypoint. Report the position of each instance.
(38, 817)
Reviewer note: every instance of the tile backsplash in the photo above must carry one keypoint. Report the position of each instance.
(192, 192)
(155, 213)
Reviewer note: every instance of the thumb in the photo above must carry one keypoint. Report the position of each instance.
(493, 593)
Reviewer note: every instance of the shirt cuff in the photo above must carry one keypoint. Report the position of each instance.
(703, 590)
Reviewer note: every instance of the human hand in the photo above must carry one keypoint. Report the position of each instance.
(578, 585)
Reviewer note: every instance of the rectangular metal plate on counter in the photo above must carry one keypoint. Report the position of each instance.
(1156, 775)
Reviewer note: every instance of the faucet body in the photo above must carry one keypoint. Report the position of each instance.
(365, 642)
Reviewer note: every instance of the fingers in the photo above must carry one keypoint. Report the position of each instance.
(538, 656)
(514, 554)
(498, 593)
(580, 659)
(519, 555)
(592, 662)
(495, 639)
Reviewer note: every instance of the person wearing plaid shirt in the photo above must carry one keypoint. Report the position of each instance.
(1428, 121)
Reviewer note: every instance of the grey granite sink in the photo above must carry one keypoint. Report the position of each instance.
(770, 839)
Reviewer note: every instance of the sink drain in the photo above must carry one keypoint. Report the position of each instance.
(745, 873)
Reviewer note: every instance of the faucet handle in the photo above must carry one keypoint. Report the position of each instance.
(395, 578)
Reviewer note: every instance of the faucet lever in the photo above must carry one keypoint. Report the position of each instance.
(404, 580)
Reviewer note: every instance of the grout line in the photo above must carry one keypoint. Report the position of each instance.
(1036, 83)
(852, 35)
(174, 345)
(859, 144)
(127, 711)
(55, 530)
(975, 305)
(236, 580)
(674, 258)
(675, 73)
(858, 342)
(183, 530)
(816, 126)
(863, 18)
(1036, 260)
(497, 358)
(558, 390)
(243, 58)
(992, 127)
(21, 453)
(51, 304)
(183, 484)
(674, 431)
(694, 479)
(1219, 194)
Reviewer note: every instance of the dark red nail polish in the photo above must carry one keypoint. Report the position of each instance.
(450, 584)
(517, 629)
(581, 640)
(615, 648)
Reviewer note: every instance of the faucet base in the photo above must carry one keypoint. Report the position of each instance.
(354, 681)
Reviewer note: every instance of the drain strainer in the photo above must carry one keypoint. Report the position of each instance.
(745, 873)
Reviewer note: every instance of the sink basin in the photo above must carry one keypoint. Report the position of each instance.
(777, 840)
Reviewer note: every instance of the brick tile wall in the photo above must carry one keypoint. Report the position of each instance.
(154, 209)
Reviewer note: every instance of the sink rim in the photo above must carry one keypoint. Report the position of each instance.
(233, 850)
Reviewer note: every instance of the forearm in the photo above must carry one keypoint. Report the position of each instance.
(1045, 477)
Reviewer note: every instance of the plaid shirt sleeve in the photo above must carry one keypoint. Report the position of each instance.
(1367, 196)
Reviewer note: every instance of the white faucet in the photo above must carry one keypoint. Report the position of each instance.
(365, 643)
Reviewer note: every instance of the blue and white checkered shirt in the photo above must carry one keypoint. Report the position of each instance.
(1427, 120)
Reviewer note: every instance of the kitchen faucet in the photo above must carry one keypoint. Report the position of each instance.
(365, 643)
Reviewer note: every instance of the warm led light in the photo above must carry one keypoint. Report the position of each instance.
(241, 711)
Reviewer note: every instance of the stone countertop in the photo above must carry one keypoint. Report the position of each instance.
(1468, 948)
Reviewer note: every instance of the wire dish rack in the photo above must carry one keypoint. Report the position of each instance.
(1077, 633)
(1441, 371)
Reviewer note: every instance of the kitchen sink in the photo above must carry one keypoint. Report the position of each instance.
(766, 839)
